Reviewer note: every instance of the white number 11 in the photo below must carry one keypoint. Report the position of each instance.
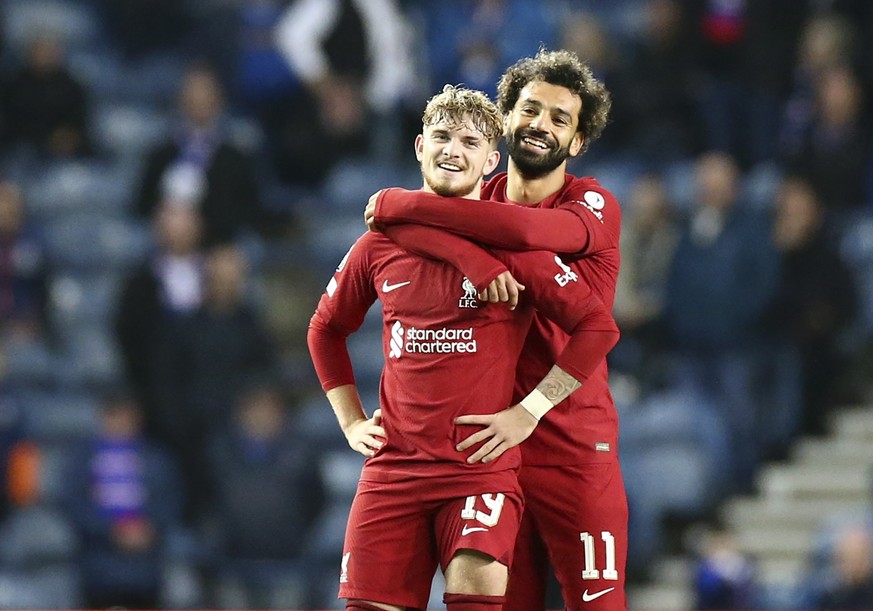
(590, 572)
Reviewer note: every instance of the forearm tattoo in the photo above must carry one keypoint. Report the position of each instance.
(558, 385)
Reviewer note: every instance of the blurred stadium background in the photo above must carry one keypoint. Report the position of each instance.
(179, 178)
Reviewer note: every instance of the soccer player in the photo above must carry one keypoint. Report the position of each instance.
(575, 503)
(420, 503)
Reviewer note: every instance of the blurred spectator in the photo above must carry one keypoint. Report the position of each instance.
(124, 497)
(140, 27)
(164, 290)
(354, 59)
(723, 275)
(744, 52)
(203, 365)
(201, 166)
(43, 106)
(815, 302)
(267, 496)
(724, 578)
(649, 237)
(827, 41)
(834, 150)
(654, 109)
(23, 269)
(473, 42)
(850, 583)
(12, 441)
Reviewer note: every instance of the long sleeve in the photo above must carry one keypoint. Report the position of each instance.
(340, 312)
(493, 223)
(566, 299)
(330, 354)
(474, 262)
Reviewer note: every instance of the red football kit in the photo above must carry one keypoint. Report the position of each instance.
(575, 501)
(446, 354)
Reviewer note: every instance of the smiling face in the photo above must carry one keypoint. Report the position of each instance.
(454, 158)
(541, 129)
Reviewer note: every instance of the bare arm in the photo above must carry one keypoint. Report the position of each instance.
(363, 434)
(510, 427)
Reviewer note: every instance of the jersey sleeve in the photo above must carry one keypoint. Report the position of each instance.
(476, 264)
(340, 312)
(565, 298)
(561, 229)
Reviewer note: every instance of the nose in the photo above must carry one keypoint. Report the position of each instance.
(540, 122)
(450, 149)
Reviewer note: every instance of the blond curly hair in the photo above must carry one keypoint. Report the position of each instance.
(455, 104)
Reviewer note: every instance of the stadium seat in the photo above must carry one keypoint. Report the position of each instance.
(128, 130)
(94, 243)
(59, 416)
(36, 536)
(74, 22)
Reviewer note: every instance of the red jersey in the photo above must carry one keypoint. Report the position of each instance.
(447, 354)
(585, 222)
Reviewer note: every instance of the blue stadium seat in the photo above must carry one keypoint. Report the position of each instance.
(340, 471)
(29, 362)
(50, 587)
(74, 22)
(36, 536)
(126, 129)
(857, 249)
(79, 302)
(64, 189)
(59, 416)
(95, 243)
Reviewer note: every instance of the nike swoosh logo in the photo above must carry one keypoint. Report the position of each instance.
(467, 530)
(387, 288)
(587, 598)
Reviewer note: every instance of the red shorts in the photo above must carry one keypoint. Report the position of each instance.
(576, 520)
(399, 533)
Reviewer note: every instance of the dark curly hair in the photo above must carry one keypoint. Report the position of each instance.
(564, 69)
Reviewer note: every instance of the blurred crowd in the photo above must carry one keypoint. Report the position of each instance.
(178, 179)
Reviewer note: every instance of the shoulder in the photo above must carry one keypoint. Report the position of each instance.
(586, 193)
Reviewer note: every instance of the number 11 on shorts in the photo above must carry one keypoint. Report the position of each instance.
(590, 571)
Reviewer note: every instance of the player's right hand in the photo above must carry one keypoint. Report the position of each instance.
(370, 211)
(367, 436)
(503, 289)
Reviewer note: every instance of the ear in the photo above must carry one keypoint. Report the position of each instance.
(491, 162)
(419, 147)
(506, 121)
(576, 144)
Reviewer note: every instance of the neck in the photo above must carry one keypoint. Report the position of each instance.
(522, 190)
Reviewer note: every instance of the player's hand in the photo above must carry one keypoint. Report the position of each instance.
(367, 436)
(503, 289)
(503, 430)
(370, 211)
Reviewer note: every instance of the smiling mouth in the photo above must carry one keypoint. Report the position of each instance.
(536, 143)
(449, 167)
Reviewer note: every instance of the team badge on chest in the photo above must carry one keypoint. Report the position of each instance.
(470, 297)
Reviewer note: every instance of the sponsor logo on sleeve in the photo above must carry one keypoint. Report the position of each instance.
(594, 202)
(567, 275)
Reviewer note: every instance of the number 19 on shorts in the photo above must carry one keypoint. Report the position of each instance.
(590, 570)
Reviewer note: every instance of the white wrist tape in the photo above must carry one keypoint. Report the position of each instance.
(536, 404)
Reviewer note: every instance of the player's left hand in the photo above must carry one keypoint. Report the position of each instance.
(503, 430)
(370, 211)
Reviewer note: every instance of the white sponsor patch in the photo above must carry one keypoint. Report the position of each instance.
(594, 202)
